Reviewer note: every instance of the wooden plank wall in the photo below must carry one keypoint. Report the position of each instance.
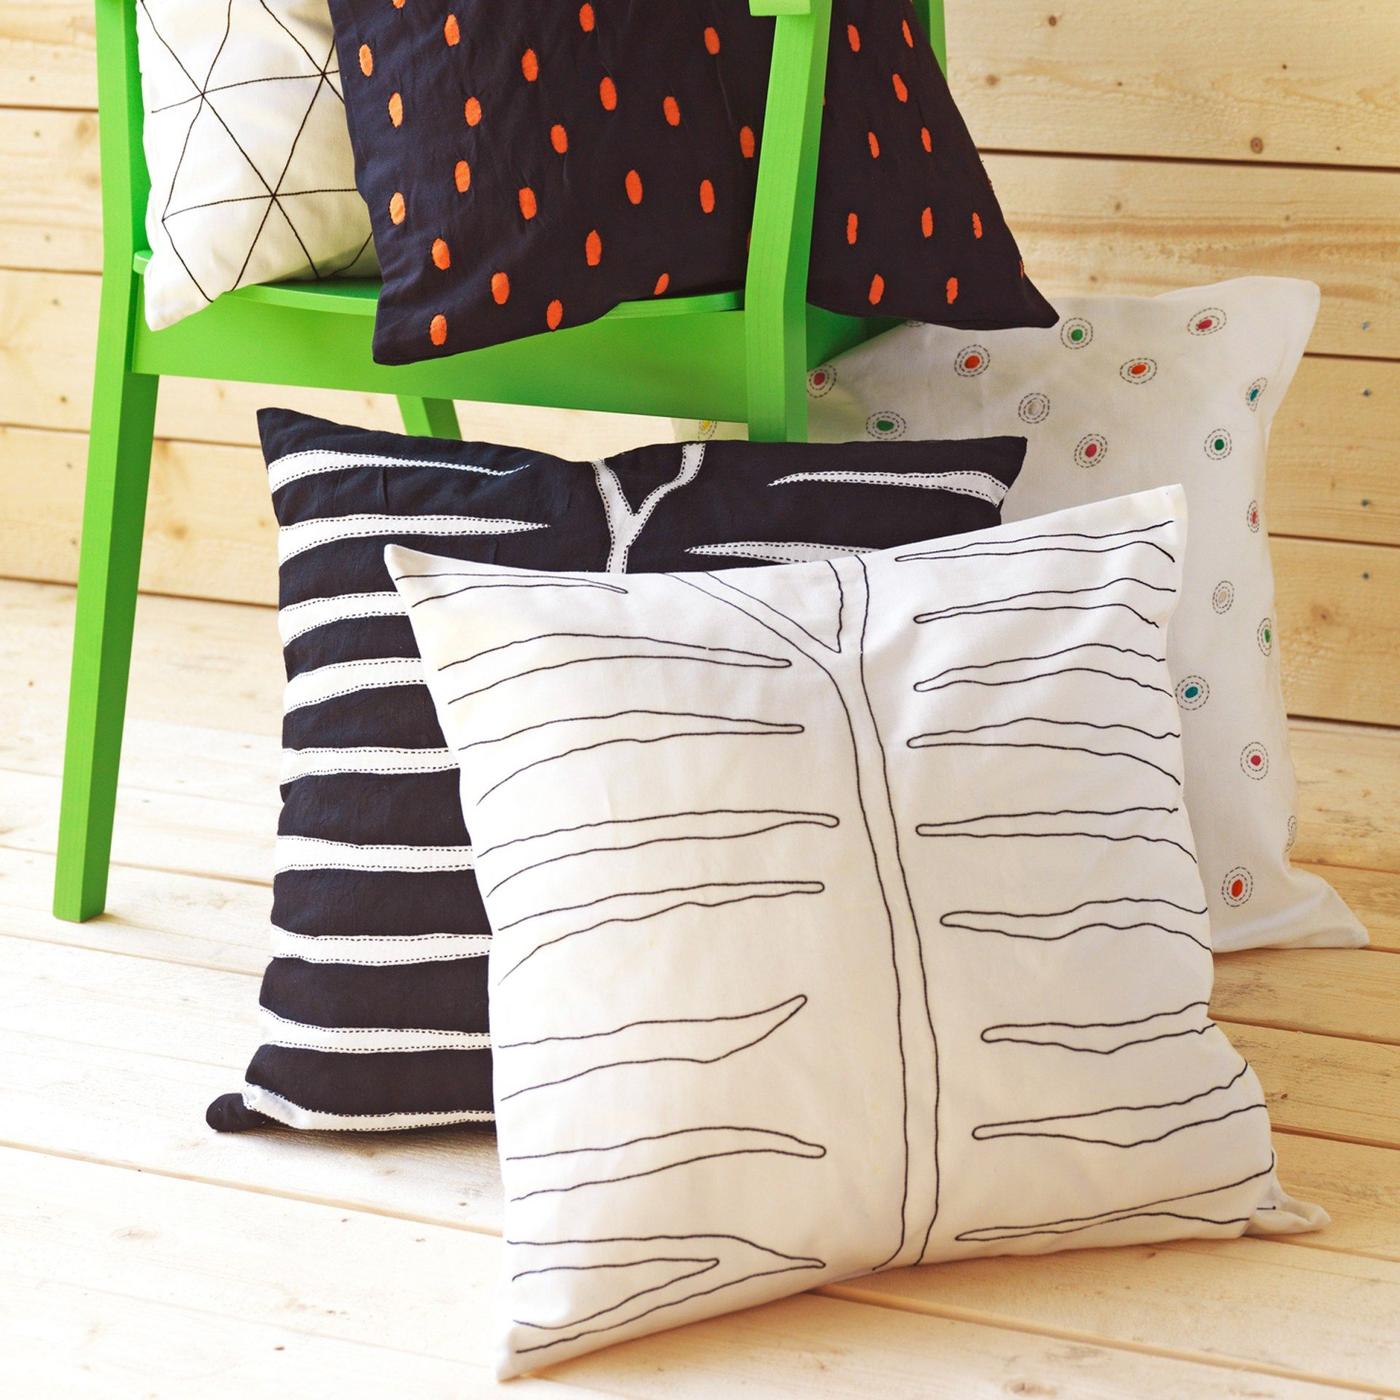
(1176, 144)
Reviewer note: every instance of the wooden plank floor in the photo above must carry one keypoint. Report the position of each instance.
(142, 1255)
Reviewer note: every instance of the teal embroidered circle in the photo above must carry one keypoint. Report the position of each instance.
(821, 381)
(972, 360)
(1265, 636)
(1223, 596)
(887, 426)
(1034, 408)
(1219, 444)
(1206, 321)
(1255, 392)
(1076, 333)
(1192, 692)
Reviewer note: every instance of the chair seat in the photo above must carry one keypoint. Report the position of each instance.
(678, 357)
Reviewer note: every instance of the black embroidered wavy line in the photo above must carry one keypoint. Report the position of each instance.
(600, 637)
(1139, 1142)
(817, 1152)
(811, 887)
(984, 1131)
(770, 731)
(796, 1002)
(794, 819)
(924, 688)
(658, 1059)
(1044, 719)
(915, 743)
(1059, 812)
(984, 1236)
(956, 549)
(792, 621)
(1043, 656)
(921, 830)
(708, 1265)
(948, 920)
(1131, 1212)
(988, 1036)
(659, 817)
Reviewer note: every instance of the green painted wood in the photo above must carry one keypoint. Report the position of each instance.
(729, 355)
(114, 509)
(775, 289)
(435, 418)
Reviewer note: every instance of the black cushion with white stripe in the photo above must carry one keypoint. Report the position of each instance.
(374, 1006)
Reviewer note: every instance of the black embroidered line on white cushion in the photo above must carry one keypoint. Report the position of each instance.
(375, 1005)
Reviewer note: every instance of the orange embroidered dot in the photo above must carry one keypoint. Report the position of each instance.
(366, 60)
(926, 138)
(951, 291)
(634, 187)
(707, 196)
(437, 330)
(900, 90)
(607, 94)
(462, 177)
(976, 224)
(852, 227)
(473, 111)
(747, 145)
(877, 289)
(398, 4)
(907, 32)
(671, 109)
(586, 19)
(530, 65)
(442, 256)
(396, 109)
(711, 39)
(874, 144)
(528, 206)
(500, 288)
(662, 283)
(593, 248)
(396, 208)
(559, 138)
(853, 38)
(926, 222)
(554, 314)
(452, 31)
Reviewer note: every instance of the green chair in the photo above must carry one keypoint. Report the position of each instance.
(733, 355)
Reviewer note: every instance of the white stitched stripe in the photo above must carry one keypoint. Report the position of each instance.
(262, 1100)
(777, 552)
(297, 619)
(347, 677)
(317, 763)
(366, 1040)
(296, 465)
(311, 534)
(313, 853)
(371, 950)
(980, 484)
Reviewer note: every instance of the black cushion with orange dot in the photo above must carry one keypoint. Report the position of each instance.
(532, 172)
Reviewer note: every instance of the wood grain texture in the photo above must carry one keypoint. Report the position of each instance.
(1351, 992)
(1374, 896)
(1141, 226)
(1339, 630)
(1279, 81)
(48, 55)
(1348, 795)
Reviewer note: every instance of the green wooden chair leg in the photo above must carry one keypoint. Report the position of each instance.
(429, 417)
(114, 515)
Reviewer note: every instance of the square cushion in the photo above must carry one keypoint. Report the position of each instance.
(811, 959)
(531, 170)
(1129, 393)
(252, 179)
(374, 1006)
